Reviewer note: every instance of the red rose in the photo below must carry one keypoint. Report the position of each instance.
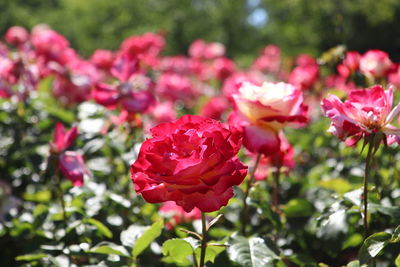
(191, 161)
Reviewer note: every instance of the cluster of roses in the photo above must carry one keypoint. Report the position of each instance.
(372, 67)
(193, 161)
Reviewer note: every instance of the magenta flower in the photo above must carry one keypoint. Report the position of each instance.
(16, 35)
(62, 138)
(73, 167)
(365, 112)
(70, 163)
(133, 96)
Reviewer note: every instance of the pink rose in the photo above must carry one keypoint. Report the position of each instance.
(223, 68)
(177, 214)
(191, 161)
(138, 47)
(214, 108)
(70, 163)
(263, 111)
(175, 87)
(365, 112)
(72, 167)
(304, 77)
(16, 35)
(282, 159)
(202, 50)
(375, 63)
(352, 60)
(102, 59)
(133, 96)
(269, 61)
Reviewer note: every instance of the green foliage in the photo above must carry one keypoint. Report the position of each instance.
(177, 251)
(297, 26)
(251, 252)
(147, 237)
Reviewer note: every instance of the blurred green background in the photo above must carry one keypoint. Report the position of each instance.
(244, 26)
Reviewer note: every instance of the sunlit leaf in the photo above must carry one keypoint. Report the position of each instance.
(177, 251)
(109, 248)
(372, 246)
(250, 252)
(100, 226)
(147, 237)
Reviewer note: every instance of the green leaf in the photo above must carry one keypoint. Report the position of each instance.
(372, 246)
(333, 226)
(250, 252)
(211, 253)
(31, 257)
(354, 196)
(339, 185)
(41, 196)
(393, 212)
(298, 207)
(100, 226)
(109, 248)
(302, 260)
(354, 240)
(397, 261)
(148, 236)
(353, 264)
(177, 251)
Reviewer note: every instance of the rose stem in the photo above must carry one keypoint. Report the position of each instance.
(203, 239)
(276, 189)
(246, 195)
(365, 193)
(60, 195)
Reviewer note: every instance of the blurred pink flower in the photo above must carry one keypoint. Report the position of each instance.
(202, 50)
(269, 60)
(102, 59)
(304, 77)
(133, 96)
(281, 159)
(375, 63)
(303, 60)
(70, 163)
(215, 107)
(352, 60)
(223, 68)
(177, 214)
(175, 87)
(139, 46)
(16, 35)
(62, 139)
(72, 166)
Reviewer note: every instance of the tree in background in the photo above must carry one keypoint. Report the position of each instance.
(244, 26)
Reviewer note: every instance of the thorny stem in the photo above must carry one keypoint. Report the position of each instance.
(276, 190)
(203, 239)
(60, 196)
(249, 184)
(365, 193)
